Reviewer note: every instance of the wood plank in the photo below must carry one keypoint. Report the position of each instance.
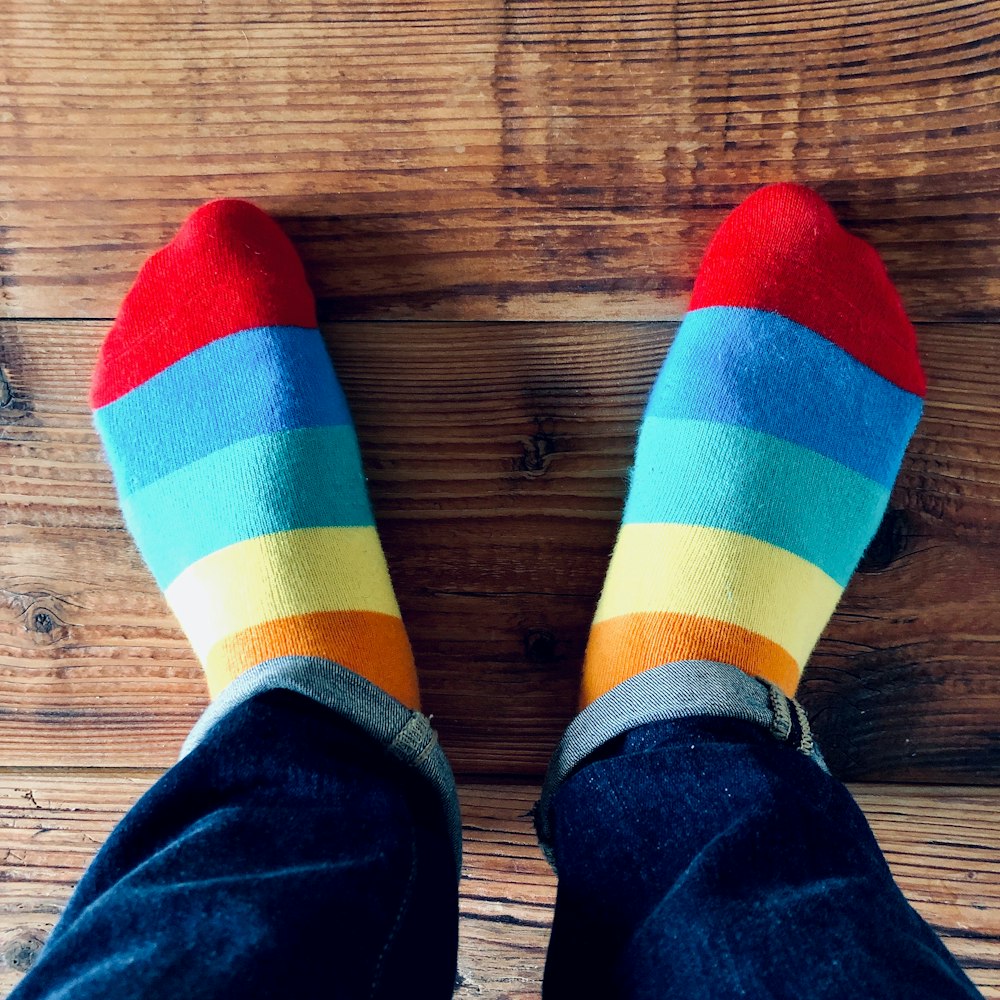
(514, 160)
(496, 455)
(942, 844)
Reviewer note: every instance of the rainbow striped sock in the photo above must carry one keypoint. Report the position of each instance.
(770, 443)
(236, 460)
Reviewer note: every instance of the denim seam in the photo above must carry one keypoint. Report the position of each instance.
(783, 706)
(781, 723)
(405, 734)
(394, 930)
(411, 743)
(806, 740)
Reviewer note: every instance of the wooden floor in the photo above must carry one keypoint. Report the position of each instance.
(501, 208)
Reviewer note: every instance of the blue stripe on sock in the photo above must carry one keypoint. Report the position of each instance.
(760, 370)
(737, 479)
(250, 383)
(305, 478)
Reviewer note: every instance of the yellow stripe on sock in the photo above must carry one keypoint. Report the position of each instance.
(713, 573)
(278, 576)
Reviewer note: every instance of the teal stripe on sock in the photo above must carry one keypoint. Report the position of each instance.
(305, 478)
(731, 477)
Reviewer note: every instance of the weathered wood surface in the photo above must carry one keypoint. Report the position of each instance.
(497, 457)
(942, 843)
(516, 159)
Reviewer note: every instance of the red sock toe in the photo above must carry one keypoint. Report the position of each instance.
(782, 250)
(229, 268)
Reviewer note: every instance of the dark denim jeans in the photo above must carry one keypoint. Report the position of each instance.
(291, 854)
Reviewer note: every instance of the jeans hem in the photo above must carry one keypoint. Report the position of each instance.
(672, 691)
(405, 734)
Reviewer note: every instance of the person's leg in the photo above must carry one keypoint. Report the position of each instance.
(702, 848)
(712, 855)
(308, 841)
(288, 854)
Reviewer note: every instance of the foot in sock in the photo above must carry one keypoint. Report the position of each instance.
(236, 461)
(770, 443)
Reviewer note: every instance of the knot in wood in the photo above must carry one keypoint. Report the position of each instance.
(889, 543)
(541, 646)
(42, 621)
(537, 453)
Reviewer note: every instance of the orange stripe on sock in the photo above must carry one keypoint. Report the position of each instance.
(372, 644)
(626, 645)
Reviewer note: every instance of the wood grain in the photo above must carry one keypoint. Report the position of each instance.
(512, 160)
(941, 843)
(516, 160)
(497, 456)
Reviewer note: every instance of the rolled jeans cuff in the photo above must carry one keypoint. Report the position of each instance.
(672, 691)
(405, 734)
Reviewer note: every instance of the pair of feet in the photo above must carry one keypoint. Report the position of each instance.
(764, 462)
